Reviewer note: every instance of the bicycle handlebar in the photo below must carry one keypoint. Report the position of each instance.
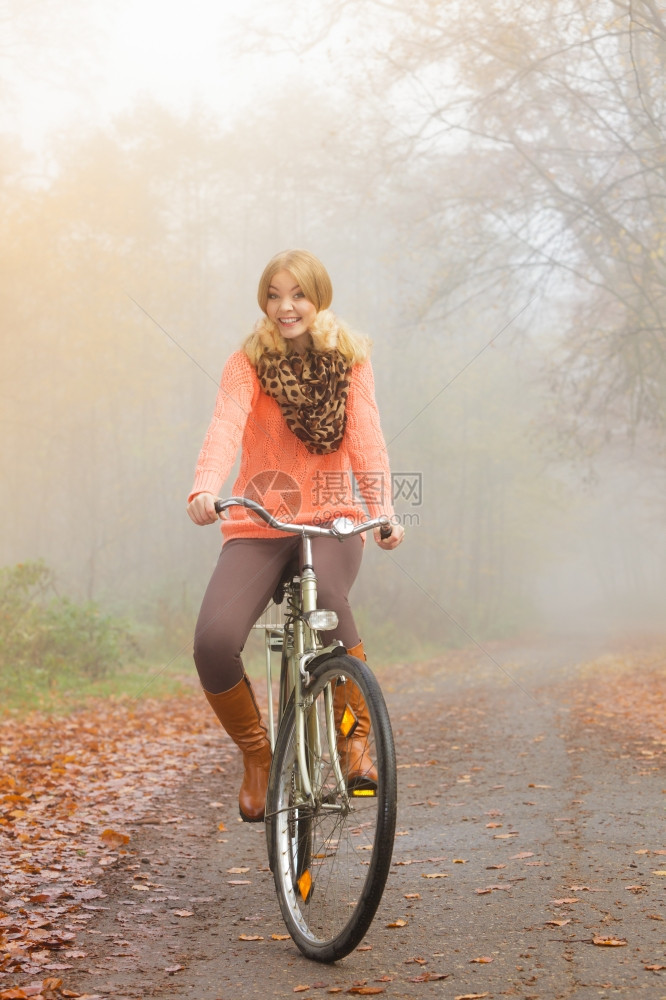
(340, 528)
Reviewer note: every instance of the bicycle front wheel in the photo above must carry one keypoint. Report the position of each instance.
(331, 850)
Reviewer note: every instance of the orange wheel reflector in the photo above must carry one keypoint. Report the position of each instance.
(348, 722)
(361, 792)
(305, 885)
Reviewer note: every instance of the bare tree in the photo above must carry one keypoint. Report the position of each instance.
(535, 134)
(560, 110)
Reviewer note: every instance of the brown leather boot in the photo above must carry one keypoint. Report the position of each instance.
(355, 761)
(239, 713)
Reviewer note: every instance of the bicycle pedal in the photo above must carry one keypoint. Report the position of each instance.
(360, 787)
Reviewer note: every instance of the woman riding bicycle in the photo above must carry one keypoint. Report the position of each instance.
(299, 401)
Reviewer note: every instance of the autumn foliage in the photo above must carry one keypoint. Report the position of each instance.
(69, 790)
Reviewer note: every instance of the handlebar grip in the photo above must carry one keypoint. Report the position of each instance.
(385, 531)
(218, 506)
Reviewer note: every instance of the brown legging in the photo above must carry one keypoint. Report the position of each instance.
(244, 580)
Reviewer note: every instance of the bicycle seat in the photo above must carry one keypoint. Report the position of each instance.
(290, 571)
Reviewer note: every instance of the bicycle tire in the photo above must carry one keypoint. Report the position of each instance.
(331, 857)
(283, 701)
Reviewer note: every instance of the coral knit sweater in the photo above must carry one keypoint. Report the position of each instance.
(276, 468)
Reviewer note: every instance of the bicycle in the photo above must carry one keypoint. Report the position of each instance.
(332, 792)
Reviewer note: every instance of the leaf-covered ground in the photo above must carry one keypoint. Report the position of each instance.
(529, 801)
(69, 788)
(625, 693)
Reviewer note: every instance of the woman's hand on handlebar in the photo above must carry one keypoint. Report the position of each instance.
(393, 540)
(201, 509)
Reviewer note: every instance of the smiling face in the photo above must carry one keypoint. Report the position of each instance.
(289, 309)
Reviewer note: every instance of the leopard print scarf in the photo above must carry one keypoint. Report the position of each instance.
(311, 390)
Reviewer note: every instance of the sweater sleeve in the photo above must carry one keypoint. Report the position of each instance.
(366, 445)
(224, 435)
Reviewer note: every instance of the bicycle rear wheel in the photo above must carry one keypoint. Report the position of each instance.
(331, 854)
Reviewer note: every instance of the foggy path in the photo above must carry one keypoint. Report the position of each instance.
(525, 835)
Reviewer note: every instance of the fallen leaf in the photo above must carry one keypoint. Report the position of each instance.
(435, 875)
(52, 983)
(114, 839)
(459, 861)
(654, 968)
(239, 881)
(237, 871)
(559, 923)
(472, 996)
(280, 937)
(483, 960)
(411, 895)
(366, 991)
(523, 854)
(609, 942)
(429, 977)
(174, 968)
(301, 989)
(567, 900)
(183, 913)
(254, 937)
(221, 827)
(660, 872)
(398, 923)
(538, 786)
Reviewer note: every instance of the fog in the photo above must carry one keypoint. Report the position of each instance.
(485, 183)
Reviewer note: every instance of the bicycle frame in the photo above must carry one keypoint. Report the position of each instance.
(302, 596)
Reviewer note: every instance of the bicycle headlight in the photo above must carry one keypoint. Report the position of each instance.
(321, 621)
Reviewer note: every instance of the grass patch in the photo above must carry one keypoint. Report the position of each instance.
(57, 654)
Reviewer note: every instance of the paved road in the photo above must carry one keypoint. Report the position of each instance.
(542, 827)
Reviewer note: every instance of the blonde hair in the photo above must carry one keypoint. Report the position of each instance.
(309, 272)
(327, 331)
